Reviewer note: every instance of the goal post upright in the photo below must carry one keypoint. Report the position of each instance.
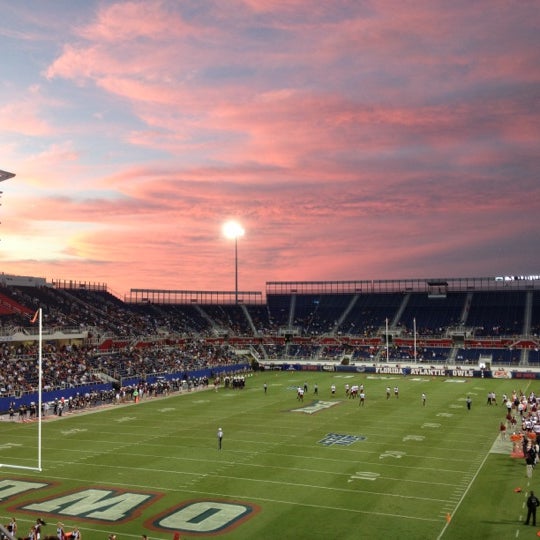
(40, 383)
(37, 317)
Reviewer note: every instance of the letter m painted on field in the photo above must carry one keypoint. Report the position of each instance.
(101, 504)
(9, 488)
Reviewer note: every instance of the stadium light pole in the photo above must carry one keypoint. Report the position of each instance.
(233, 230)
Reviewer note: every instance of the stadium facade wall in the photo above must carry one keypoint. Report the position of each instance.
(414, 371)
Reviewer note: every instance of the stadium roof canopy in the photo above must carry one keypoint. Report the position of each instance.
(4, 175)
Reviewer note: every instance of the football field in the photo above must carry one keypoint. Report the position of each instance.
(323, 468)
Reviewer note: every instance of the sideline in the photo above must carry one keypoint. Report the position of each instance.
(98, 408)
(474, 478)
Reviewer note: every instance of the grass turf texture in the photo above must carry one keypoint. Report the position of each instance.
(413, 466)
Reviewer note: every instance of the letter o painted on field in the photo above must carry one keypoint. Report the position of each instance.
(204, 516)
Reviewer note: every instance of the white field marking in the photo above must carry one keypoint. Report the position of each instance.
(413, 438)
(501, 446)
(251, 454)
(9, 445)
(318, 506)
(345, 376)
(373, 436)
(382, 378)
(430, 425)
(453, 406)
(364, 475)
(353, 450)
(402, 480)
(445, 414)
(461, 443)
(125, 419)
(374, 439)
(396, 454)
(419, 379)
(263, 499)
(238, 464)
(278, 482)
(203, 475)
(455, 380)
(73, 431)
(199, 401)
(248, 453)
(465, 491)
(167, 409)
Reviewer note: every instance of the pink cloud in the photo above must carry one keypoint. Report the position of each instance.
(24, 116)
(353, 140)
(130, 21)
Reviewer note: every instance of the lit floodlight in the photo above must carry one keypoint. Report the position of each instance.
(233, 230)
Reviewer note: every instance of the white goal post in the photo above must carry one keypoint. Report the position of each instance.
(37, 317)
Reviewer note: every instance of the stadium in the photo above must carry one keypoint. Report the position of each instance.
(107, 465)
(475, 323)
(312, 409)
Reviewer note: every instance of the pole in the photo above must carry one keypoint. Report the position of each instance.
(236, 269)
(414, 326)
(40, 384)
(387, 348)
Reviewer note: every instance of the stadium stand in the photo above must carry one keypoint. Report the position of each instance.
(93, 336)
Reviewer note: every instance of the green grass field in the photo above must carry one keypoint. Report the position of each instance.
(155, 468)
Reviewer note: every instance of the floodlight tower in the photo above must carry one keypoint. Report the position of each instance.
(233, 230)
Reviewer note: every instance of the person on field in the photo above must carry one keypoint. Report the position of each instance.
(37, 528)
(502, 430)
(12, 527)
(219, 437)
(469, 402)
(424, 398)
(31, 533)
(530, 459)
(532, 505)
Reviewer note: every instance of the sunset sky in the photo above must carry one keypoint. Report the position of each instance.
(351, 139)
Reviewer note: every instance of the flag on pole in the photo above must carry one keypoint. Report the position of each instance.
(35, 317)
